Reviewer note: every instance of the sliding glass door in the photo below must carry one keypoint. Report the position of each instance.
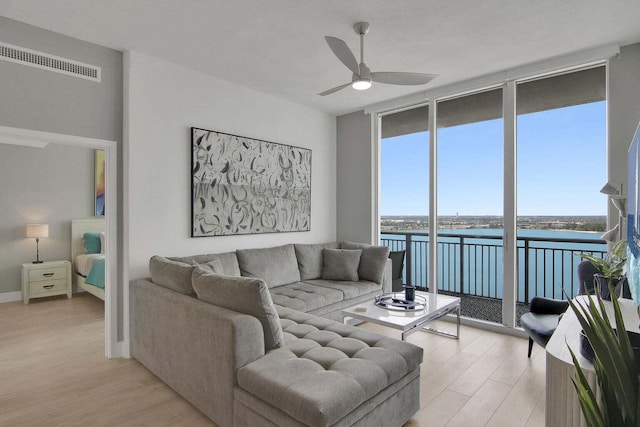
(470, 159)
(404, 189)
(561, 164)
(526, 159)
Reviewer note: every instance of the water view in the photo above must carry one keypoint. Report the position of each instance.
(547, 259)
(559, 150)
(470, 262)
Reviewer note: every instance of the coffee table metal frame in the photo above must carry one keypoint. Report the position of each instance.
(412, 320)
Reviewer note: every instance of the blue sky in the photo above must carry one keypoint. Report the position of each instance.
(561, 166)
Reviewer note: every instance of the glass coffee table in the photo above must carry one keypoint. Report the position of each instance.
(409, 321)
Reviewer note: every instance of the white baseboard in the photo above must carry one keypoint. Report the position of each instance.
(10, 296)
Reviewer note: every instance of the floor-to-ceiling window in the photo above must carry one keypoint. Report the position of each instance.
(561, 166)
(404, 189)
(559, 139)
(470, 202)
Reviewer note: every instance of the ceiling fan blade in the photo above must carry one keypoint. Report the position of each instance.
(335, 89)
(397, 78)
(344, 54)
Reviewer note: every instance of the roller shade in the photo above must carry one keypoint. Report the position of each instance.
(547, 93)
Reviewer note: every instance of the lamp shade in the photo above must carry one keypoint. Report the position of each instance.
(37, 230)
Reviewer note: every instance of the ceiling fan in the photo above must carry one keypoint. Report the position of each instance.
(362, 76)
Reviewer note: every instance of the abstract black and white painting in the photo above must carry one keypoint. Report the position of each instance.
(247, 186)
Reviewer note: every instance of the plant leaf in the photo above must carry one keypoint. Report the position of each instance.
(614, 364)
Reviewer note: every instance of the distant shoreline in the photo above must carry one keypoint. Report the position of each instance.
(580, 223)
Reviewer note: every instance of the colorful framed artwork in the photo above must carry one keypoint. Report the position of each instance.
(99, 182)
(247, 186)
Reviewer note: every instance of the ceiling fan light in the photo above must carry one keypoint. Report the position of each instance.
(361, 84)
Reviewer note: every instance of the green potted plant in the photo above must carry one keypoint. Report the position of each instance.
(618, 403)
(611, 269)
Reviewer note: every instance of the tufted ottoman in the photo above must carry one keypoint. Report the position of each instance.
(329, 374)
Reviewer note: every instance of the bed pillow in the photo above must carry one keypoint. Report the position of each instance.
(372, 262)
(102, 240)
(171, 274)
(91, 243)
(246, 295)
(341, 264)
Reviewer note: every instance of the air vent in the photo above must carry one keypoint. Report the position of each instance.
(44, 61)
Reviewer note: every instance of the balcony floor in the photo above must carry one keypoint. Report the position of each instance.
(489, 309)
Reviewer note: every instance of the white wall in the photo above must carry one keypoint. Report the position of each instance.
(163, 101)
(355, 178)
(50, 185)
(624, 115)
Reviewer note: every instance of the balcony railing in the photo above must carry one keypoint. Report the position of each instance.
(471, 264)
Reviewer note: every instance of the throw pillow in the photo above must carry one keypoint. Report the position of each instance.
(91, 243)
(229, 261)
(372, 262)
(242, 294)
(103, 238)
(341, 264)
(171, 274)
(276, 266)
(310, 259)
(213, 266)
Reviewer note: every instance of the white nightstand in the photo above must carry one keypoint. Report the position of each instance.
(46, 279)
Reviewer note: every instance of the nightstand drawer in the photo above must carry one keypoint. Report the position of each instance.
(47, 286)
(47, 274)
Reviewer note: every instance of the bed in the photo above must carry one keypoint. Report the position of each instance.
(88, 269)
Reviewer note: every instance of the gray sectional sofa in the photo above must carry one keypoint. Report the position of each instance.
(251, 339)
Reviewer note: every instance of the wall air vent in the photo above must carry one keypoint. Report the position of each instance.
(44, 61)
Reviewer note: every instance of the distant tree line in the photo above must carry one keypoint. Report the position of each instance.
(581, 224)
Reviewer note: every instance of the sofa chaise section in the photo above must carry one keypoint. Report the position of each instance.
(329, 374)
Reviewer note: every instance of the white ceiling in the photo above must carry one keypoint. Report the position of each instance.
(277, 46)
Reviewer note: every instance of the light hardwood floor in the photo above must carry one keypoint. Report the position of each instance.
(53, 373)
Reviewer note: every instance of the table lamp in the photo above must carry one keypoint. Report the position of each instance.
(37, 231)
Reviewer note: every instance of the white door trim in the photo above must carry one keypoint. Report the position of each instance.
(34, 138)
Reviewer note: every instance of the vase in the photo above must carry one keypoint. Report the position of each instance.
(602, 284)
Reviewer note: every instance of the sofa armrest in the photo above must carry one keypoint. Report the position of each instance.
(193, 346)
(387, 281)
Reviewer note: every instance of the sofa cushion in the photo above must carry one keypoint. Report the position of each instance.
(277, 266)
(244, 295)
(340, 264)
(372, 261)
(310, 258)
(326, 369)
(304, 297)
(349, 289)
(228, 260)
(172, 274)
